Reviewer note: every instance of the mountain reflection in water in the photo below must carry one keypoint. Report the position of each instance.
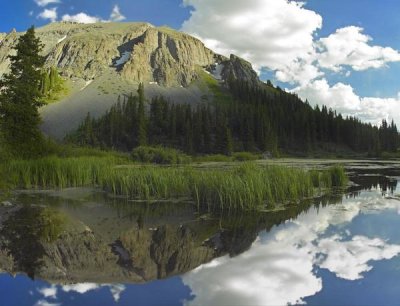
(106, 246)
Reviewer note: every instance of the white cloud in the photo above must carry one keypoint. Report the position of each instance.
(281, 36)
(116, 14)
(342, 98)
(50, 14)
(46, 2)
(81, 18)
(349, 46)
(277, 34)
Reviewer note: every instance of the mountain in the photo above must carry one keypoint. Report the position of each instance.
(219, 103)
(103, 60)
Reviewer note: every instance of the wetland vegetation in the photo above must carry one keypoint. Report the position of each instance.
(244, 186)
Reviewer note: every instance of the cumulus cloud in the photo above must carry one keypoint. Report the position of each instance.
(50, 14)
(81, 18)
(281, 35)
(343, 98)
(46, 2)
(277, 34)
(116, 14)
(350, 46)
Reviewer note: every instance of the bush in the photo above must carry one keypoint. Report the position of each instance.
(213, 158)
(159, 155)
(244, 156)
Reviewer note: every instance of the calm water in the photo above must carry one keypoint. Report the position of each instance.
(339, 250)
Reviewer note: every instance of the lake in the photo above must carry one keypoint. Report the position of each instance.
(82, 247)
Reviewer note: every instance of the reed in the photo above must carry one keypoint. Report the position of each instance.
(243, 187)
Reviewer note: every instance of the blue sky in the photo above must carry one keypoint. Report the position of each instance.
(15, 14)
(341, 53)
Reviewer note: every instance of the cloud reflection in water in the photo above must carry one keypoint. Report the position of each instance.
(279, 269)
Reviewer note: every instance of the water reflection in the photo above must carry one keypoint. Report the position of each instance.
(83, 243)
(281, 266)
(23, 237)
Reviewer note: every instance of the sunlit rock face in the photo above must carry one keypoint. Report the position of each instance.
(139, 52)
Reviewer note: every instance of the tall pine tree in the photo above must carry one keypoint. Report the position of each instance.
(142, 125)
(20, 98)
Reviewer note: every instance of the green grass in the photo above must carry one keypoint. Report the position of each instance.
(221, 96)
(243, 187)
(236, 156)
(245, 156)
(213, 158)
(60, 91)
(159, 155)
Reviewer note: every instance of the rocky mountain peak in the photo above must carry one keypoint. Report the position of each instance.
(139, 52)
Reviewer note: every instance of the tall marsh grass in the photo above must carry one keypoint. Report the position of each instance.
(243, 187)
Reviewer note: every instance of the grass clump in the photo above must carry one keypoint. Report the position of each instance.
(159, 155)
(55, 172)
(213, 158)
(334, 176)
(338, 176)
(243, 187)
(245, 156)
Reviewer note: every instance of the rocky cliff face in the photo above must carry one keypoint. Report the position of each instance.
(168, 58)
(139, 52)
(239, 69)
(7, 42)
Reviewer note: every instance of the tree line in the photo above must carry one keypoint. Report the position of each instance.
(256, 119)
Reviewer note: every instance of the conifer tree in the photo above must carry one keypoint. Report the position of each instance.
(20, 98)
(142, 128)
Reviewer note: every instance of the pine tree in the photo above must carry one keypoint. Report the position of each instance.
(142, 126)
(20, 98)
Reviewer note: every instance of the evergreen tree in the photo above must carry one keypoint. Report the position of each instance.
(256, 119)
(142, 128)
(20, 97)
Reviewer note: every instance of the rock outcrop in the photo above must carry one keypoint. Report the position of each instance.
(8, 41)
(239, 69)
(139, 52)
(168, 58)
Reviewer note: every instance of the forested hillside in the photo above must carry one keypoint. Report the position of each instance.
(258, 118)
